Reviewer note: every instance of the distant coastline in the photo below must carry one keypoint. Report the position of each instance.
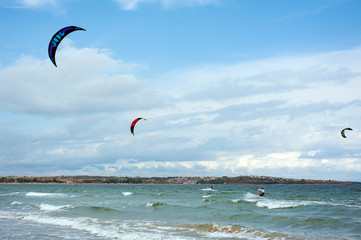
(84, 179)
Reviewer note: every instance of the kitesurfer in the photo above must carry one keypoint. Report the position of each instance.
(261, 192)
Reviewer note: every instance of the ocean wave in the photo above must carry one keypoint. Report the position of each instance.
(155, 204)
(48, 208)
(208, 200)
(39, 194)
(207, 196)
(208, 189)
(90, 225)
(127, 193)
(9, 194)
(264, 202)
(103, 209)
(274, 204)
(212, 230)
(7, 215)
(344, 205)
(110, 229)
(16, 203)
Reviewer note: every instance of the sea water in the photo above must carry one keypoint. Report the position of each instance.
(30, 211)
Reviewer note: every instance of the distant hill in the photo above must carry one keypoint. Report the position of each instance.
(165, 180)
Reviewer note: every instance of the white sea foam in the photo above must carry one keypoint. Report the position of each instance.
(250, 197)
(149, 204)
(264, 202)
(208, 189)
(274, 204)
(16, 203)
(39, 194)
(48, 207)
(155, 204)
(215, 231)
(85, 224)
(127, 193)
(236, 200)
(7, 215)
(207, 196)
(9, 194)
(110, 229)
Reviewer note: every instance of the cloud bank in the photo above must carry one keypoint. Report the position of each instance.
(279, 116)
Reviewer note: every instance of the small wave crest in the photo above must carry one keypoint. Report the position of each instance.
(264, 202)
(127, 193)
(235, 231)
(85, 224)
(103, 209)
(108, 229)
(207, 196)
(155, 204)
(9, 194)
(208, 189)
(16, 203)
(39, 194)
(48, 207)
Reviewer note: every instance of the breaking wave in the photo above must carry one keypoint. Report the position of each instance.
(39, 194)
(127, 193)
(264, 202)
(232, 231)
(49, 207)
(155, 204)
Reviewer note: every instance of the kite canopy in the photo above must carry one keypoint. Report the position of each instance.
(133, 124)
(56, 39)
(343, 132)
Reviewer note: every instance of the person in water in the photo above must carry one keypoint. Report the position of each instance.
(261, 192)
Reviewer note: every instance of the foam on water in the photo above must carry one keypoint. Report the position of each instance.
(216, 231)
(40, 194)
(9, 194)
(137, 212)
(155, 204)
(109, 229)
(83, 223)
(48, 207)
(103, 209)
(208, 189)
(265, 202)
(207, 196)
(127, 193)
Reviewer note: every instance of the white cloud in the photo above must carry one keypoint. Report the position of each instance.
(285, 164)
(133, 4)
(280, 116)
(36, 3)
(86, 81)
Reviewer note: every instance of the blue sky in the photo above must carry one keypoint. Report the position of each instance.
(228, 88)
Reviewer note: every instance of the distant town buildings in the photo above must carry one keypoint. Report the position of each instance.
(163, 180)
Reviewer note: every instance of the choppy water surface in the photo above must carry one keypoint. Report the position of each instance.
(179, 212)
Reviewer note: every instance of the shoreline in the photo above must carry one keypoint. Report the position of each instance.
(180, 184)
(251, 180)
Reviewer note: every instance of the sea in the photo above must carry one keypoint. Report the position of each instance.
(92, 212)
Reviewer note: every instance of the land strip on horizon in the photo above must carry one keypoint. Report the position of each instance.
(84, 179)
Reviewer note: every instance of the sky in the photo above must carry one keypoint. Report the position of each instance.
(228, 88)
